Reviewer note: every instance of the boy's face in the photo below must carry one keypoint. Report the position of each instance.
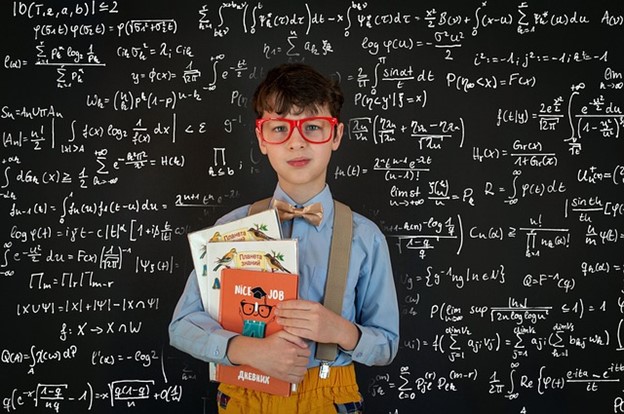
(301, 166)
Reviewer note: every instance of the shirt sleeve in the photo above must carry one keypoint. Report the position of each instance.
(192, 329)
(377, 307)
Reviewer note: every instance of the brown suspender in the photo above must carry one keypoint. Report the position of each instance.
(338, 266)
(259, 206)
(337, 271)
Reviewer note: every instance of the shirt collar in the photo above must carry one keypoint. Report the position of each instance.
(324, 197)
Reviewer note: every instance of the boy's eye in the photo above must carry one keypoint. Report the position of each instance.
(311, 127)
(277, 126)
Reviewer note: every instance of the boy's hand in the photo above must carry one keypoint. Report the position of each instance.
(312, 320)
(281, 355)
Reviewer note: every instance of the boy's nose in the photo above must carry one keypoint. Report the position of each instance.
(296, 139)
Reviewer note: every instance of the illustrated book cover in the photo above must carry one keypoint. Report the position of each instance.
(269, 255)
(261, 226)
(248, 301)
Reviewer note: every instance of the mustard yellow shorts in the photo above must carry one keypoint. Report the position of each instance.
(337, 394)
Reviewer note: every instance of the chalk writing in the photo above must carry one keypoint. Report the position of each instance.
(484, 139)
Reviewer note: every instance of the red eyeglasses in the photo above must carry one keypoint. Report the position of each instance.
(315, 129)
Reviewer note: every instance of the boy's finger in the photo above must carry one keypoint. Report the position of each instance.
(294, 339)
(295, 304)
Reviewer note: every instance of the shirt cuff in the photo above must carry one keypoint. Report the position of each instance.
(350, 352)
(361, 352)
(217, 349)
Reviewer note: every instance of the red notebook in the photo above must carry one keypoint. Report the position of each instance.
(248, 300)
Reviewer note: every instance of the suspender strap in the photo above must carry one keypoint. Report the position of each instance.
(337, 271)
(259, 206)
(338, 267)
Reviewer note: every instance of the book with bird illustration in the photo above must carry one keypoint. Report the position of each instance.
(257, 227)
(271, 256)
(248, 301)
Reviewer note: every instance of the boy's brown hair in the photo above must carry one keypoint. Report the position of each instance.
(295, 88)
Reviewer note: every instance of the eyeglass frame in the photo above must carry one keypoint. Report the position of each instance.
(297, 124)
(256, 308)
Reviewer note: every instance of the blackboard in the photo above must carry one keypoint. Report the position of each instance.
(484, 138)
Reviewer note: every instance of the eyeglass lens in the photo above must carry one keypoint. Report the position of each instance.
(250, 308)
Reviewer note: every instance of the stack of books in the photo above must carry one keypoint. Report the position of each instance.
(244, 269)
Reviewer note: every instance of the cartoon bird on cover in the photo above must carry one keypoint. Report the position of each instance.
(274, 262)
(225, 260)
(215, 238)
(205, 266)
(258, 234)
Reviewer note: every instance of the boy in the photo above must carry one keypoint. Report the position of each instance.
(298, 129)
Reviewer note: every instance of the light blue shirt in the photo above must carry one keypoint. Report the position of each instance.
(370, 299)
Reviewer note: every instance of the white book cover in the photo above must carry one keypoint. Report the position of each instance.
(261, 226)
(268, 256)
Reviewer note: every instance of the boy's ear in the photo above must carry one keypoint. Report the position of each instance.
(261, 143)
(338, 136)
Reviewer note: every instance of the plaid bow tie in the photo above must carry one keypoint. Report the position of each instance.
(313, 213)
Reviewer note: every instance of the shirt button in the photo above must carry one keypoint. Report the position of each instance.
(359, 354)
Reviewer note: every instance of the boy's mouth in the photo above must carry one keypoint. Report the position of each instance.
(298, 162)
